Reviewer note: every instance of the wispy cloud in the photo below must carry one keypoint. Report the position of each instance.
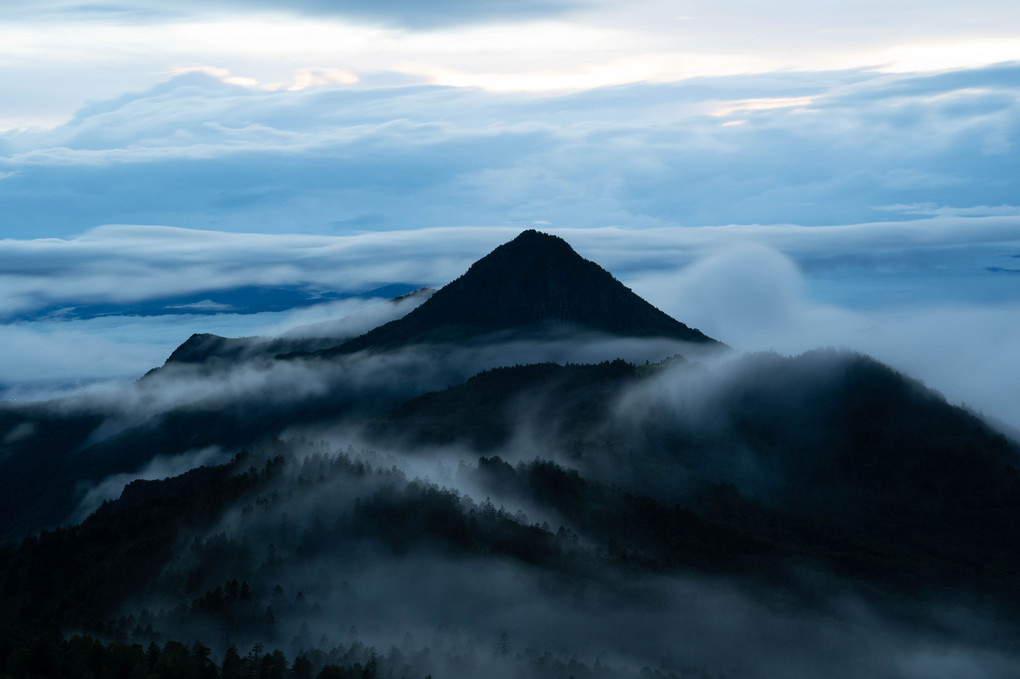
(390, 12)
(935, 210)
(122, 264)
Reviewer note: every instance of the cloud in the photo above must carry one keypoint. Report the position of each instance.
(36, 357)
(748, 288)
(334, 319)
(612, 618)
(46, 358)
(756, 299)
(416, 14)
(934, 210)
(813, 148)
(63, 53)
(203, 305)
(160, 467)
(849, 150)
(405, 13)
(918, 294)
(121, 264)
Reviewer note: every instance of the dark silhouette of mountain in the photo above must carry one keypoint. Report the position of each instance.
(534, 284)
(228, 588)
(485, 411)
(838, 442)
(44, 441)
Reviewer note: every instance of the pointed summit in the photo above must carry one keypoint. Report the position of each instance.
(534, 283)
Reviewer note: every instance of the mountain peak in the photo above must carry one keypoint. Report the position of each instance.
(534, 240)
(532, 248)
(534, 282)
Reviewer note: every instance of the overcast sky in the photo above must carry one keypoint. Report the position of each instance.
(781, 174)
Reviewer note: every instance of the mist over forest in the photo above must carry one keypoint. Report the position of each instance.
(531, 472)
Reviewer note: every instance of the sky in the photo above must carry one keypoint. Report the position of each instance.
(782, 175)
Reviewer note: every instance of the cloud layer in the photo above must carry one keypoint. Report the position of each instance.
(801, 148)
(931, 296)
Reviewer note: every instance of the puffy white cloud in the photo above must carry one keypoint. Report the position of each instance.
(745, 290)
(755, 298)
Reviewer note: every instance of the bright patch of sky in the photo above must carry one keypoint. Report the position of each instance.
(56, 55)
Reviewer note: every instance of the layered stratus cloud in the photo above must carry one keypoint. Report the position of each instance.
(801, 148)
(936, 260)
(936, 297)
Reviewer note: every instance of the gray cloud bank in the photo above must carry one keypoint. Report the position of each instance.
(802, 148)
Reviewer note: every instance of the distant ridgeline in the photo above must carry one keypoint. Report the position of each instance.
(522, 515)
